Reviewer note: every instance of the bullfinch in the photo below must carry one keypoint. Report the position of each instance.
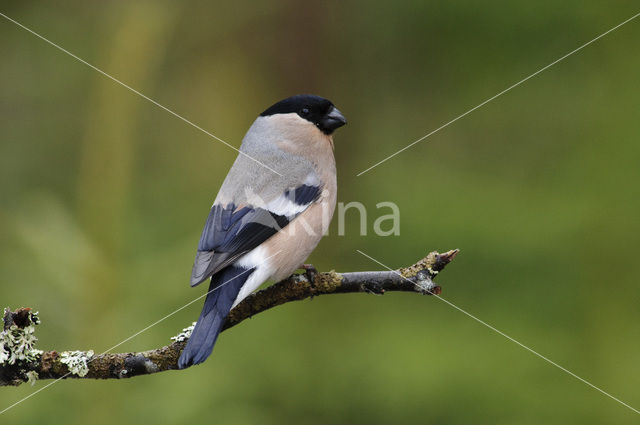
(272, 210)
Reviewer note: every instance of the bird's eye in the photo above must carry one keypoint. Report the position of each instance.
(305, 111)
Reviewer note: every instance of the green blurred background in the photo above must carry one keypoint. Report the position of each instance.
(104, 196)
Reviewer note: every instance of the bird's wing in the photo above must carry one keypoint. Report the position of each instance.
(236, 228)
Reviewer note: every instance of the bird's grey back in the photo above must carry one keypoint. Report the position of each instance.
(248, 176)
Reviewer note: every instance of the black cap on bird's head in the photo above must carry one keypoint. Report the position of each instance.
(314, 109)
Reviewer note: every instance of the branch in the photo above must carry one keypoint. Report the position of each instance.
(20, 362)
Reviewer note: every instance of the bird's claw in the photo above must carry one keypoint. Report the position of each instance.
(310, 273)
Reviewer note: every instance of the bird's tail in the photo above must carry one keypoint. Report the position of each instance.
(224, 288)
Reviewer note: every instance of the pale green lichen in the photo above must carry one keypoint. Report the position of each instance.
(16, 343)
(425, 264)
(424, 283)
(185, 334)
(325, 282)
(77, 361)
(32, 377)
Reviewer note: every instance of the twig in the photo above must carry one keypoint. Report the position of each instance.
(32, 364)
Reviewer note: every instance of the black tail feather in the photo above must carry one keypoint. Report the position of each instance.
(223, 290)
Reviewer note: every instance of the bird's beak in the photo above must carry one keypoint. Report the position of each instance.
(334, 119)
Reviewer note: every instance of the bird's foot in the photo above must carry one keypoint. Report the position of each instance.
(310, 273)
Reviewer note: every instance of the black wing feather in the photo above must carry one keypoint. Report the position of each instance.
(231, 232)
(228, 234)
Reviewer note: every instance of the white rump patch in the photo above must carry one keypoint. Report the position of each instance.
(258, 258)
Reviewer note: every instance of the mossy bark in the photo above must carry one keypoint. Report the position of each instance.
(415, 278)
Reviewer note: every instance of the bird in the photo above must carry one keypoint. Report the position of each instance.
(272, 209)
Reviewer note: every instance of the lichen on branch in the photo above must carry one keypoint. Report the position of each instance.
(20, 362)
(17, 341)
